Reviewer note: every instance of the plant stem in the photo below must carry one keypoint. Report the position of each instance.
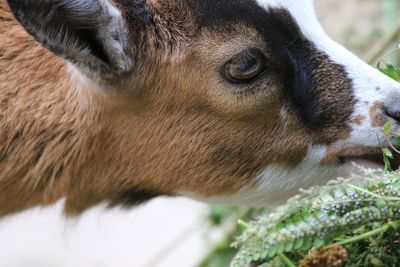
(376, 51)
(365, 191)
(243, 224)
(364, 236)
(331, 203)
(285, 260)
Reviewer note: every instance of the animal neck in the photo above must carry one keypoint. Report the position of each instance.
(58, 138)
(50, 138)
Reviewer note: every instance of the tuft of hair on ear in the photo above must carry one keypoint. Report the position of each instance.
(91, 34)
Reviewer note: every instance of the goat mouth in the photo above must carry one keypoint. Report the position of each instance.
(369, 161)
(374, 161)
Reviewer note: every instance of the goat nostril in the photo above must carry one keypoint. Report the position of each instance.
(393, 113)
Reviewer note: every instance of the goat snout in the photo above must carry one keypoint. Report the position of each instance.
(393, 112)
(392, 106)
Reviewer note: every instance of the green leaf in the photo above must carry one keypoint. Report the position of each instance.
(289, 246)
(280, 248)
(256, 257)
(272, 252)
(299, 243)
(387, 128)
(391, 71)
(380, 203)
(387, 153)
(307, 243)
(318, 242)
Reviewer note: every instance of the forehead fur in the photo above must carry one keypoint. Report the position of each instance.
(305, 67)
(279, 22)
(314, 84)
(303, 11)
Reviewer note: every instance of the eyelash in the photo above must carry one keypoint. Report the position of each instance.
(258, 64)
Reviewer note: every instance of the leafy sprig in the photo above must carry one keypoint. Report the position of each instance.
(320, 215)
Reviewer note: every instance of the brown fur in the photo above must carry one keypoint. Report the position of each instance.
(359, 119)
(378, 119)
(173, 131)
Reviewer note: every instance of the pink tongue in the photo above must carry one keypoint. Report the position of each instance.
(366, 163)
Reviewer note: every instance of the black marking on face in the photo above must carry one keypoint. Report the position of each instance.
(319, 89)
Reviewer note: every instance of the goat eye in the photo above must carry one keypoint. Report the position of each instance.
(245, 66)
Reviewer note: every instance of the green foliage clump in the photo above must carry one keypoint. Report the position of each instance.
(391, 71)
(321, 216)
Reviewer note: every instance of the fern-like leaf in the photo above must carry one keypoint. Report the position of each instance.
(320, 215)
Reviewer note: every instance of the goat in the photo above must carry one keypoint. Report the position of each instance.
(228, 101)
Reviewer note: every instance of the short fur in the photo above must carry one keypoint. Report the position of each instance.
(171, 124)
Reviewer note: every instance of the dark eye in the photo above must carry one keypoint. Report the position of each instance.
(245, 66)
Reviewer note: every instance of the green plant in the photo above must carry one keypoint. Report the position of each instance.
(322, 216)
(391, 71)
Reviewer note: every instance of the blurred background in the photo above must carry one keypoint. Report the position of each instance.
(177, 232)
(363, 26)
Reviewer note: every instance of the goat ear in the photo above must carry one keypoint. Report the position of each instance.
(91, 34)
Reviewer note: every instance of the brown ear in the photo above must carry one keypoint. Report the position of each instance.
(89, 33)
